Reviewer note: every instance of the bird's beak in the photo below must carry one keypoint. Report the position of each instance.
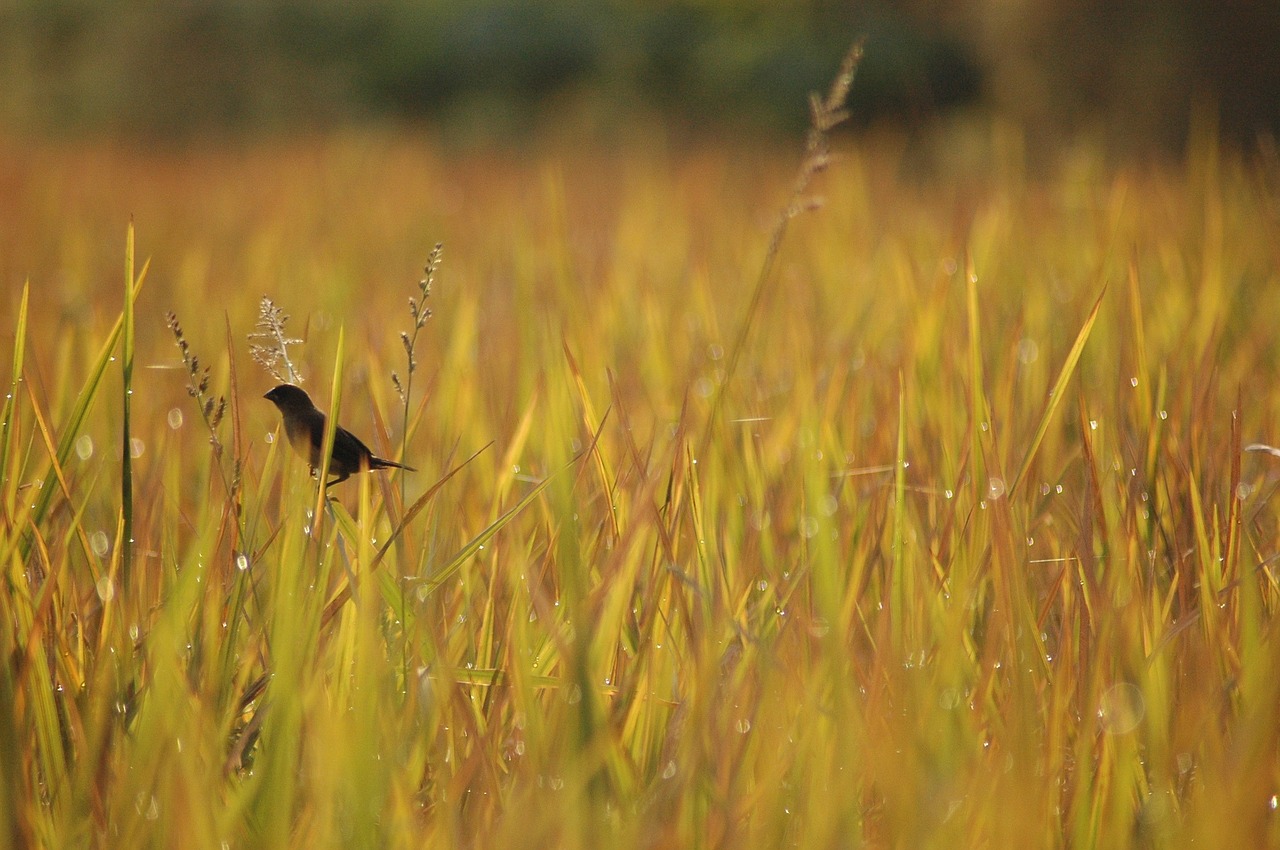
(267, 396)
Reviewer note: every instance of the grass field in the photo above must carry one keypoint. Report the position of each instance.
(953, 544)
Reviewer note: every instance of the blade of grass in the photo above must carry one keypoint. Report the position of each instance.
(11, 400)
(126, 408)
(1059, 388)
(903, 585)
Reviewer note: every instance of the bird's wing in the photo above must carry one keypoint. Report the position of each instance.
(349, 454)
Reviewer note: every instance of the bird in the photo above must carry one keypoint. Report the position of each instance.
(304, 425)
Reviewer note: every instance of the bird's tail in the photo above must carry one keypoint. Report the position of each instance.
(383, 463)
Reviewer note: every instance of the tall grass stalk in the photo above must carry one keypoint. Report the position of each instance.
(126, 407)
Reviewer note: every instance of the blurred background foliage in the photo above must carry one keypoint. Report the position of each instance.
(1129, 70)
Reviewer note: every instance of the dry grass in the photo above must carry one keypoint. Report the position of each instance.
(897, 593)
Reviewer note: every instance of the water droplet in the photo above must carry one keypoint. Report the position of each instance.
(106, 588)
(99, 543)
(242, 562)
(1121, 708)
(743, 726)
(174, 418)
(84, 447)
(670, 770)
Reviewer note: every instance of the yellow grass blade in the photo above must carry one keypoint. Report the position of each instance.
(1058, 390)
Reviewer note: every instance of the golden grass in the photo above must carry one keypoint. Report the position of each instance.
(968, 557)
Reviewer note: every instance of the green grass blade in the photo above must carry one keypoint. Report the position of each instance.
(126, 407)
(10, 402)
(1059, 389)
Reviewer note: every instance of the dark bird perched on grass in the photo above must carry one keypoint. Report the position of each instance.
(304, 425)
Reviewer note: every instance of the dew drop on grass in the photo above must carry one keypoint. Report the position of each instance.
(242, 562)
(1121, 708)
(84, 447)
(1093, 424)
(743, 726)
(995, 488)
(762, 585)
(134, 632)
(949, 494)
(100, 544)
(670, 770)
(1164, 414)
(174, 418)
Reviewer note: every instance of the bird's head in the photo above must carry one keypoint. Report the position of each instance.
(289, 397)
